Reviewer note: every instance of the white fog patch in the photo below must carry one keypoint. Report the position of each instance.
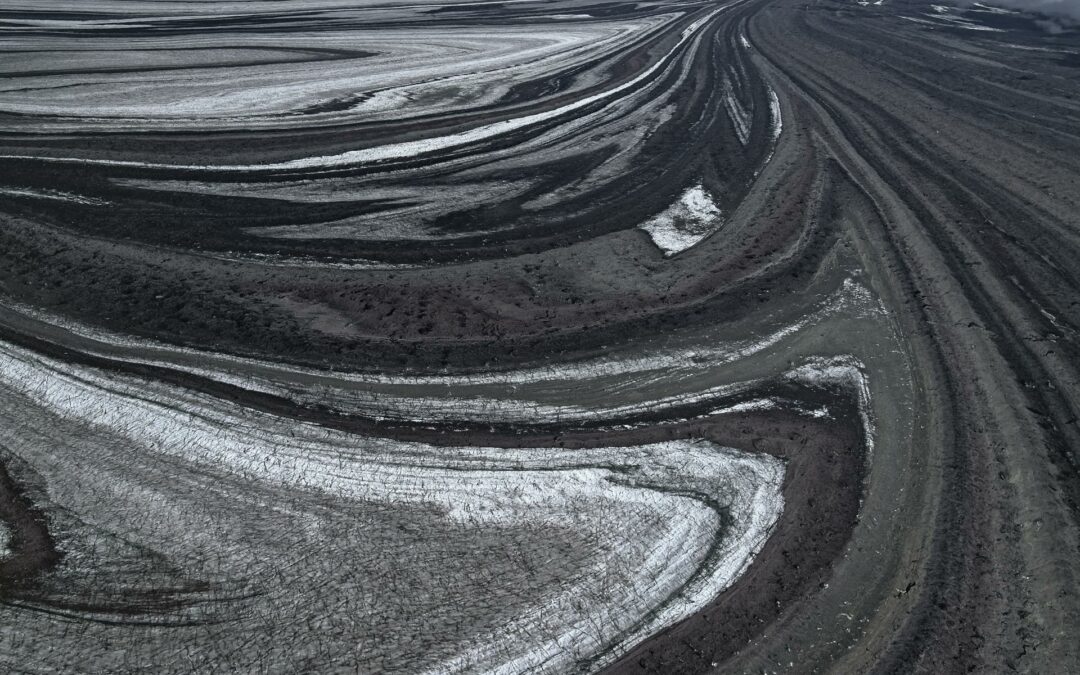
(690, 219)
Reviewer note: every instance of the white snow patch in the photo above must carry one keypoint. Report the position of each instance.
(966, 24)
(973, 26)
(55, 195)
(775, 115)
(5, 541)
(741, 119)
(754, 518)
(747, 406)
(993, 10)
(408, 149)
(851, 297)
(690, 219)
(844, 371)
(275, 260)
(669, 552)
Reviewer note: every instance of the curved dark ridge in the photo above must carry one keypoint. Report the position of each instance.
(947, 623)
(449, 431)
(822, 490)
(932, 167)
(723, 299)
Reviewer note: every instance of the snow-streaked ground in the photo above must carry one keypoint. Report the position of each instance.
(648, 511)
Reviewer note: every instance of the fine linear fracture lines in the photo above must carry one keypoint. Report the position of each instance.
(538, 337)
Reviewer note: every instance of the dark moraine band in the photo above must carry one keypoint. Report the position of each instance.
(539, 337)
